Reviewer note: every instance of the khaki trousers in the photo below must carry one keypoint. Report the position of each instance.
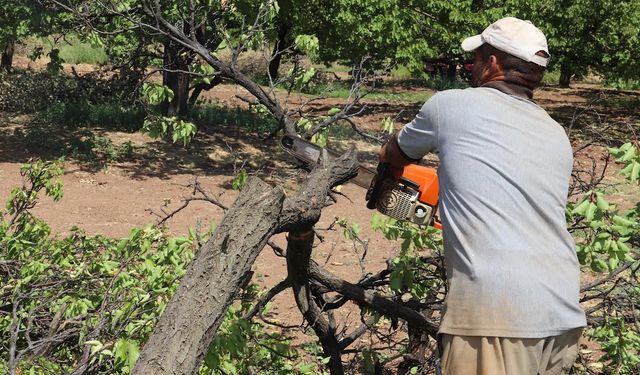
(473, 355)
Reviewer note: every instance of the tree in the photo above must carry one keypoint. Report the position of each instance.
(20, 19)
(585, 34)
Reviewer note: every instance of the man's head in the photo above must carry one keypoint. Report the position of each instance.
(510, 50)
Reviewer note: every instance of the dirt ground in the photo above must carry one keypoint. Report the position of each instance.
(113, 199)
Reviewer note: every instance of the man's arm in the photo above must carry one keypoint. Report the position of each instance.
(393, 155)
(415, 139)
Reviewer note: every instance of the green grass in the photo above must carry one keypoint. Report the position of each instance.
(551, 77)
(622, 102)
(75, 115)
(342, 90)
(623, 84)
(82, 53)
(401, 72)
(72, 49)
(379, 95)
(217, 115)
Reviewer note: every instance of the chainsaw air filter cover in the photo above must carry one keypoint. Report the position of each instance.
(401, 202)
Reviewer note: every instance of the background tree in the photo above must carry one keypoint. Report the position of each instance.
(20, 19)
(585, 34)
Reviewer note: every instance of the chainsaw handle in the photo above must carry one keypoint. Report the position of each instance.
(383, 171)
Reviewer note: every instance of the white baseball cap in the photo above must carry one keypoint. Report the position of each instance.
(515, 37)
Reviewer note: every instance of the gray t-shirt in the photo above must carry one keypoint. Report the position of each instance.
(504, 172)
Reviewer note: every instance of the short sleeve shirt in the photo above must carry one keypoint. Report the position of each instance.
(504, 173)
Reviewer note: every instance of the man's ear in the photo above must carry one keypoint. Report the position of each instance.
(494, 63)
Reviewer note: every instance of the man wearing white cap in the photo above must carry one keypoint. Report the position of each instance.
(514, 278)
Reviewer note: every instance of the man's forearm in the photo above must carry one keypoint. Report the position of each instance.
(392, 154)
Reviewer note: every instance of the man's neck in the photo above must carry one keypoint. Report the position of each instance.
(510, 88)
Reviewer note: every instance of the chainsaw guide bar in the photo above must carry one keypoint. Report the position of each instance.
(411, 195)
(309, 153)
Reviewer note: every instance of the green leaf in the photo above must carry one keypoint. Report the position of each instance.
(240, 180)
(126, 353)
(590, 212)
(334, 111)
(602, 203)
(581, 208)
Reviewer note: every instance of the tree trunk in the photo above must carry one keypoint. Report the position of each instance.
(452, 71)
(174, 78)
(278, 50)
(565, 74)
(6, 60)
(188, 325)
(299, 248)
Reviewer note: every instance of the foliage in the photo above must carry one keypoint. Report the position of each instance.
(22, 18)
(240, 180)
(206, 115)
(387, 126)
(608, 242)
(629, 155)
(243, 346)
(160, 126)
(27, 91)
(93, 301)
(408, 275)
(77, 115)
(74, 51)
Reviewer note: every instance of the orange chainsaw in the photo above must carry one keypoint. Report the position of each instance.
(407, 194)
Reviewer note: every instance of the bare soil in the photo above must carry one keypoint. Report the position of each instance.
(112, 199)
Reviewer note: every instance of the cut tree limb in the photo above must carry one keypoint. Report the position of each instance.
(299, 249)
(188, 325)
(302, 211)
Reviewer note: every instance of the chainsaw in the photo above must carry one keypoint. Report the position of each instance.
(410, 193)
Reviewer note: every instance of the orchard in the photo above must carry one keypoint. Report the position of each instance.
(155, 223)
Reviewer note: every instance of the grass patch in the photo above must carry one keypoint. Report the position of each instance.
(72, 50)
(26, 91)
(82, 53)
(401, 72)
(217, 115)
(622, 102)
(390, 93)
(74, 115)
(623, 84)
(551, 78)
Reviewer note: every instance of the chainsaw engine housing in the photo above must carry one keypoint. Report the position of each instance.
(412, 195)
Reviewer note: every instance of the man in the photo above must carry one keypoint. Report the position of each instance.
(513, 302)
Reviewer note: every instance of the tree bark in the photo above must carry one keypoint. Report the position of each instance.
(188, 325)
(367, 298)
(215, 81)
(6, 60)
(175, 77)
(565, 75)
(300, 244)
